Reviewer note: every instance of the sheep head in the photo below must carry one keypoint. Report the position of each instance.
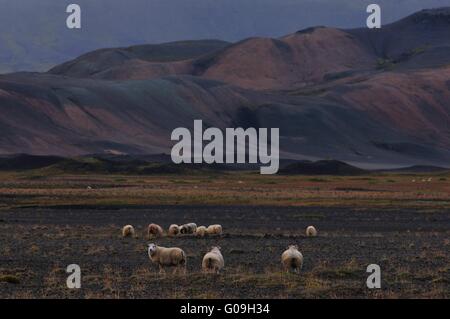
(152, 249)
(215, 248)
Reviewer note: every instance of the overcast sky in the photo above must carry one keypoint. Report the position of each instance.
(33, 32)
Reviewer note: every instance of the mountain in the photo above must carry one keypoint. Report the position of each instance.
(326, 167)
(137, 62)
(26, 162)
(362, 96)
(304, 58)
(34, 36)
(288, 61)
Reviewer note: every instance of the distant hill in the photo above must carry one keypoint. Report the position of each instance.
(358, 96)
(306, 57)
(27, 162)
(40, 40)
(126, 166)
(139, 61)
(157, 164)
(326, 167)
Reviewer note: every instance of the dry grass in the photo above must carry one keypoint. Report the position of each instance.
(395, 190)
(414, 261)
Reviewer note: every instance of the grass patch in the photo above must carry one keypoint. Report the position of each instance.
(9, 279)
(318, 180)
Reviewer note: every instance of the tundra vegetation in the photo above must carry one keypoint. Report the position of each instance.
(47, 220)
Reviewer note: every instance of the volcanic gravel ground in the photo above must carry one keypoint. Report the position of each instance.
(411, 247)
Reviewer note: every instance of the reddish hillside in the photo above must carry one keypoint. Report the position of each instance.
(361, 96)
(415, 102)
(132, 61)
(258, 63)
(299, 59)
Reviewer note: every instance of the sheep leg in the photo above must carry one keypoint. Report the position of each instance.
(161, 270)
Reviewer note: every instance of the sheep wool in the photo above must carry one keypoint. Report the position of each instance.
(174, 230)
(128, 231)
(167, 257)
(214, 230)
(154, 230)
(190, 228)
(292, 259)
(311, 231)
(213, 261)
(201, 231)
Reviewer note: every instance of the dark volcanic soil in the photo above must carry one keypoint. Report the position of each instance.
(411, 247)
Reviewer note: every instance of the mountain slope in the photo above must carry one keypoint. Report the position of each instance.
(419, 40)
(103, 63)
(307, 57)
(324, 88)
(33, 36)
(50, 114)
(295, 60)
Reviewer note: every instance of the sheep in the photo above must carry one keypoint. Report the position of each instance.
(201, 231)
(154, 230)
(213, 261)
(128, 231)
(174, 230)
(214, 230)
(311, 231)
(167, 257)
(190, 228)
(292, 259)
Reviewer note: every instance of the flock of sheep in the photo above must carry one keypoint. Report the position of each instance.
(213, 261)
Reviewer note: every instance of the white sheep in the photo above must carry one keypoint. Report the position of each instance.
(167, 257)
(190, 228)
(201, 231)
(154, 230)
(214, 230)
(213, 261)
(128, 231)
(292, 259)
(311, 231)
(174, 230)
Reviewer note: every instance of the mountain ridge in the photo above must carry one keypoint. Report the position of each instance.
(358, 108)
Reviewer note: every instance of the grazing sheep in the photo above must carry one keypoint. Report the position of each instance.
(201, 231)
(214, 230)
(128, 231)
(167, 257)
(154, 230)
(292, 259)
(174, 230)
(213, 261)
(311, 231)
(190, 228)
